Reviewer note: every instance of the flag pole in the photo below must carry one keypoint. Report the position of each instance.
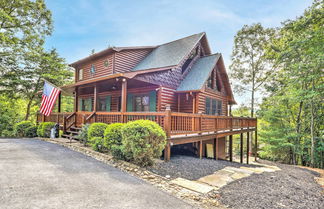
(55, 86)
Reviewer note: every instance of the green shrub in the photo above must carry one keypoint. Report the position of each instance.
(44, 129)
(113, 135)
(96, 130)
(83, 134)
(118, 152)
(31, 131)
(97, 144)
(39, 129)
(142, 141)
(21, 128)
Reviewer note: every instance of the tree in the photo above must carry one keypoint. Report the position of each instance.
(24, 63)
(250, 69)
(297, 88)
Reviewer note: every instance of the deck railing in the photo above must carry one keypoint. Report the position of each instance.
(174, 123)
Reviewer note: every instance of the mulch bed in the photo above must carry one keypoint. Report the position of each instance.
(191, 168)
(292, 187)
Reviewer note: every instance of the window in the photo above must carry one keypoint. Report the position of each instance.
(104, 103)
(92, 70)
(188, 61)
(141, 103)
(86, 104)
(106, 63)
(213, 106)
(81, 74)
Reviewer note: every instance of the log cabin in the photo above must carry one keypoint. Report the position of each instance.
(181, 85)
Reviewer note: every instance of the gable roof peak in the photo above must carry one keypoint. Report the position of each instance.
(169, 54)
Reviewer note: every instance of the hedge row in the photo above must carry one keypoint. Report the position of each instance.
(28, 129)
(138, 141)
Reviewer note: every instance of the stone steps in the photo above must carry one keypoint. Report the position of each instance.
(222, 177)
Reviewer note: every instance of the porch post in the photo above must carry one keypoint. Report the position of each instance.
(167, 129)
(95, 98)
(76, 100)
(247, 146)
(59, 107)
(124, 95)
(230, 146)
(241, 148)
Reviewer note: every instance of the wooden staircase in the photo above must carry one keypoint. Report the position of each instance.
(71, 133)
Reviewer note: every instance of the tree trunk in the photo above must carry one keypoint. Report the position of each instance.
(298, 122)
(31, 99)
(312, 131)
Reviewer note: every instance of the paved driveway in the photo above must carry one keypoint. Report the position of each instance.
(38, 174)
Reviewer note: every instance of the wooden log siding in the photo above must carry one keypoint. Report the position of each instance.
(101, 70)
(168, 97)
(128, 59)
(214, 95)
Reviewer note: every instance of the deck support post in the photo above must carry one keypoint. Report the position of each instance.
(200, 149)
(214, 148)
(241, 148)
(247, 146)
(256, 144)
(167, 129)
(230, 148)
(217, 154)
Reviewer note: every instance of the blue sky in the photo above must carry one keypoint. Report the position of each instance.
(83, 25)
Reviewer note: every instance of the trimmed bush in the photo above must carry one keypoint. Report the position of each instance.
(44, 129)
(143, 140)
(21, 128)
(96, 130)
(118, 152)
(113, 135)
(97, 144)
(31, 131)
(83, 134)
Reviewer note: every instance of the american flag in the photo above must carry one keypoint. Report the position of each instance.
(49, 96)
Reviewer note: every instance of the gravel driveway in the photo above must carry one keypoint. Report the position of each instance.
(38, 174)
(292, 187)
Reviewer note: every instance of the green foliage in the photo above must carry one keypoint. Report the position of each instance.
(44, 129)
(83, 134)
(292, 114)
(113, 135)
(96, 130)
(118, 152)
(142, 141)
(21, 128)
(97, 144)
(250, 68)
(31, 131)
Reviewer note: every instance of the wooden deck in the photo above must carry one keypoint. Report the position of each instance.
(181, 128)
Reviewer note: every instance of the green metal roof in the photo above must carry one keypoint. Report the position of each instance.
(199, 73)
(169, 54)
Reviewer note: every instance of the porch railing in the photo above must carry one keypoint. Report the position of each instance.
(174, 123)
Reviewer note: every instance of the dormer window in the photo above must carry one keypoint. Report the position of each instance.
(80, 74)
(188, 61)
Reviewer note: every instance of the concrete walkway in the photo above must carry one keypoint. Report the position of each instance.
(38, 174)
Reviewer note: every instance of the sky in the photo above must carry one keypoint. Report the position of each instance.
(83, 25)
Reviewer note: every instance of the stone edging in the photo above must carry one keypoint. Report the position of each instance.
(194, 198)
